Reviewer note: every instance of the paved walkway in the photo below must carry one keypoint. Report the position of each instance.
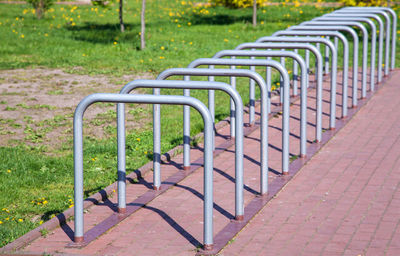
(345, 200)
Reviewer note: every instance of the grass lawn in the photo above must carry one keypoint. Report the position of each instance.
(36, 182)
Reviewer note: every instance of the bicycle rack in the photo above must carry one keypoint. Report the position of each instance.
(198, 85)
(355, 51)
(264, 107)
(365, 53)
(345, 54)
(387, 42)
(146, 99)
(394, 27)
(296, 57)
(355, 16)
(364, 48)
(286, 79)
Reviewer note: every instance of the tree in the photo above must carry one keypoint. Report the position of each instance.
(254, 13)
(121, 20)
(41, 6)
(143, 26)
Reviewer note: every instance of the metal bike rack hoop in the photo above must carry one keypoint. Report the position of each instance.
(286, 104)
(198, 85)
(378, 19)
(394, 27)
(387, 39)
(334, 34)
(365, 54)
(364, 49)
(146, 99)
(355, 51)
(264, 106)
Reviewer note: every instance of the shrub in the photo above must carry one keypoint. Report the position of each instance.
(364, 2)
(237, 3)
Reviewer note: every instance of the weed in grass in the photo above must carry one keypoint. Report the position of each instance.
(44, 232)
(55, 92)
(8, 108)
(3, 102)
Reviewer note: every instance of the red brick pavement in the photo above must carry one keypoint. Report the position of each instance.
(171, 224)
(346, 200)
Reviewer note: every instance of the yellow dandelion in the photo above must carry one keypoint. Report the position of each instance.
(179, 26)
(190, 43)
(46, 34)
(141, 61)
(41, 222)
(162, 48)
(8, 218)
(22, 36)
(83, 54)
(300, 11)
(45, 202)
(1, 222)
(226, 40)
(262, 22)
(138, 139)
(172, 40)
(189, 23)
(161, 57)
(145, 152)
(9, 171)
(20, 220)
(115, 43)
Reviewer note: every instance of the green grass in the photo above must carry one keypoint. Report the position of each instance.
(34, 186)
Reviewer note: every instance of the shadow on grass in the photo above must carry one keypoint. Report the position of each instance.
(105, 33)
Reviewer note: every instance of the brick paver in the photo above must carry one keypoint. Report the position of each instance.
(344, 200)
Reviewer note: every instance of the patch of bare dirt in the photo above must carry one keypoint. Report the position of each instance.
(37, 106)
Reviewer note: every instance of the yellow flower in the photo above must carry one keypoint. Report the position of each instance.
(8, 218)
(46, 34)
(262, 22)
(190, 43)
(115, 43)
(44, 202)
(172, 40)
(179, 25)
(71, 205)
(9, 171)
(226, 40)
(300, 11)
(1, 222)
(162, 48)
(41, 222)
(189, 23)
(145, 152)
(162, 57)
(22, 36)
(20, 220)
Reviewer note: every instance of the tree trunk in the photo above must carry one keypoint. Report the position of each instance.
(143, 26)
(121, 20)
(254, 13)
(39, 10)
